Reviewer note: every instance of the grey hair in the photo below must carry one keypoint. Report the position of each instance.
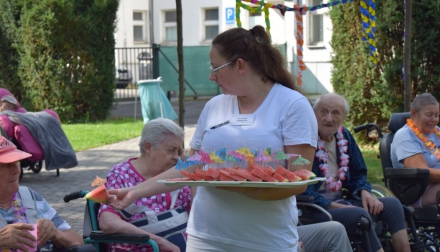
(423, 100)
(346, 106)
(154, 131)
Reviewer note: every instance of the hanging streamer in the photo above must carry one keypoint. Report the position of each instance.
(368, 16)
(261, 8)
(238, 4)
(299, 12)
(371, 34)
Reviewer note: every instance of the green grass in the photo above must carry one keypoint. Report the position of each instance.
(84, 136)
(370, 154)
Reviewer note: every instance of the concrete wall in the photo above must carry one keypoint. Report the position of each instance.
(124, 22)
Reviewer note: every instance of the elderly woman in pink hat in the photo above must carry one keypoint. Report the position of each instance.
(20, 207)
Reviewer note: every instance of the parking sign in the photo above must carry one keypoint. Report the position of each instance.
(230, 15)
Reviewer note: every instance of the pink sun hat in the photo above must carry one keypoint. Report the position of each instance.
(9, 152)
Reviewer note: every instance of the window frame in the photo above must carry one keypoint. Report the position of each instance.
(206, 23)
(143, 23)
(312, 26)
(168, 24)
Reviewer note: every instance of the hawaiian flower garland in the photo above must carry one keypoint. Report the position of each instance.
(429, 144)
(19, 210)
(331, 183)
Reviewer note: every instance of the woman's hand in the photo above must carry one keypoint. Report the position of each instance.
(121, 198)
(16, 236)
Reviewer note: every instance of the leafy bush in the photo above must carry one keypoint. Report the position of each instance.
(375, 92)
(65, 56)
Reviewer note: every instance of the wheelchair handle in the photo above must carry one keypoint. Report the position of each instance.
(75, 195)
(368, 127)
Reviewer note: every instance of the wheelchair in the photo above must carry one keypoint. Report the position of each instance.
(307, 213)
(408, 185)
(93, 235)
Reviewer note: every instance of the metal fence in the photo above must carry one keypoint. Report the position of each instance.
(131, 65)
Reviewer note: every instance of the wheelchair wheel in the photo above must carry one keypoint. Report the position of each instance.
(36, 166)
(380, 191)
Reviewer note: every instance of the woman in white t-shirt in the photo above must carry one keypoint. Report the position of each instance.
(260, 108)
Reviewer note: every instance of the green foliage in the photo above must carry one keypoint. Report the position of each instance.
(63, 55)
(375, 92)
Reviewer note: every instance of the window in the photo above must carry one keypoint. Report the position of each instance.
(170, 26)
(316, 24)
(210, 23)
(139, 27)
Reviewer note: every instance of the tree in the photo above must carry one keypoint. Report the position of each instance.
(65, 56)
(374, 92)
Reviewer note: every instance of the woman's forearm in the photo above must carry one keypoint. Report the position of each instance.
(110, 223)
(150, 187)
(67, 238)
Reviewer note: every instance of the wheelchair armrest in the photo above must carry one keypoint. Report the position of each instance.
(409, 212)
(406, 173)
(304, 198)
(307, 210)
(407, 184)
(99, 236)
(80, 248)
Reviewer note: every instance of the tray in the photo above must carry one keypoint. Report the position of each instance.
(241, 183)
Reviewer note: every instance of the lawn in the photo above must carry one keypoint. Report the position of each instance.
(91, 135)
(84, 136)
(370, 154)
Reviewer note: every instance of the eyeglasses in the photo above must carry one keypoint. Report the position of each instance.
(215, 70)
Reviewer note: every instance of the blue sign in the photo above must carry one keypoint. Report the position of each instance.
(230, 15)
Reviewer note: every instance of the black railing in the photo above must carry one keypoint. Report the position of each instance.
(133, 64)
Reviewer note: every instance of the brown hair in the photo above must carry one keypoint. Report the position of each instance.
(254, 47)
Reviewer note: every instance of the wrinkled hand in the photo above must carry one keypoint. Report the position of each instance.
(301, 246)
(165, 246)
(121, 198)
(15, 235)
(251, 192)
(46, 231)
(370, 203)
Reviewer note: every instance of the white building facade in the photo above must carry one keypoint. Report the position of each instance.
(141, 23)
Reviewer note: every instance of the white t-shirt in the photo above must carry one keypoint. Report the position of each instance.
(284, 118)
(406, 144)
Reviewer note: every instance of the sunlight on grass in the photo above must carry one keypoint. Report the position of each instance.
(370, 154)
(84, 136)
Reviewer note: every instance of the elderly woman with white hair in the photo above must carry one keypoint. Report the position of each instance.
(162, 216)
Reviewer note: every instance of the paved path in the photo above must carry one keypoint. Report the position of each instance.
(96, 162)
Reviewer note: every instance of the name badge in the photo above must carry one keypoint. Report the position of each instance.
(242, 119)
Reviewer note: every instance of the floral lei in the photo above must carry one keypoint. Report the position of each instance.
(430, 145)
(19, 210)
(322, 154)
